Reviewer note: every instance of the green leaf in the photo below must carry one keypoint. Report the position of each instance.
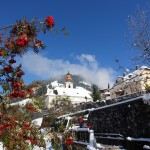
(32, 21)
(42, 28)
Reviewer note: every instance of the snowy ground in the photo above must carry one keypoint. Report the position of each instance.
(22, 103)
(48, 147)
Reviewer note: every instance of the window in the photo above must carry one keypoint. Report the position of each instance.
(55, 92)
(130, 76)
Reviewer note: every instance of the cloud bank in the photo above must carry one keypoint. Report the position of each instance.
(87, 67)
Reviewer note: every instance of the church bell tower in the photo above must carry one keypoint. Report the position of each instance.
(68, 79)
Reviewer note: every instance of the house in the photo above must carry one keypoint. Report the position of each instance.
(105, 94)
(134, 82)
(76, 95)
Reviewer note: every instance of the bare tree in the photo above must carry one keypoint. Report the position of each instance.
(139, 29)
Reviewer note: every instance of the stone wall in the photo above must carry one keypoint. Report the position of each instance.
(130, 119)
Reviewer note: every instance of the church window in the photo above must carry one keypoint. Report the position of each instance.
(55, 92)
(69, 86)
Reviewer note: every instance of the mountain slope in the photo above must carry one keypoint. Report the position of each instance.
(77, 81)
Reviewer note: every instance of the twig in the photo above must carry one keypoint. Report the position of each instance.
(9, 26)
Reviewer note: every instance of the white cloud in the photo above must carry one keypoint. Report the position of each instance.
(88, 60)
(87, 67)
(86, 57)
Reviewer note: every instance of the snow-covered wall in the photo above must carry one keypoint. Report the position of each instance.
(123, 123)
(130, 118)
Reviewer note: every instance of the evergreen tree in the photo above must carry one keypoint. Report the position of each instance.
(95, 93)
(42, 89)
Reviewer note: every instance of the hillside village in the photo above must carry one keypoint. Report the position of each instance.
(134, 82)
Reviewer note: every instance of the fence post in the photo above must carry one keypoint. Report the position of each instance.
(91, 138)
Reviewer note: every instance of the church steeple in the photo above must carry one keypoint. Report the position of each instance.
(68, 79)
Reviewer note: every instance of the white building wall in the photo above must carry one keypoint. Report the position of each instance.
(74, 100)
(69, 85)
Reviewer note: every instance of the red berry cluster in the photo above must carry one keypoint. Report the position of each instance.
(12, 61)
(69, 141)
(15, 124)
(23, 41)
(31, 108)
(8, 69)
(2, 52)
(17, 93)
(38, 43)
(3, 127)
(49, 22)
(30, 139)
(26, 124)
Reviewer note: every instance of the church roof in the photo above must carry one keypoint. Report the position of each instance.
(71, 92)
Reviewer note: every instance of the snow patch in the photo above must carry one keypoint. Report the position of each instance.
(38, 121)
(48, 146)
(138, 139)
(146, 147)
(129, 138)
(1, 146)
(22, 103)
(146, 99)
(99, 145)
(85, 83)
(90, 147)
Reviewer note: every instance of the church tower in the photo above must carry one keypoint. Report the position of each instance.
(68, 79)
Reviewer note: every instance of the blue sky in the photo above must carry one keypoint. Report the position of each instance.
(97, 30)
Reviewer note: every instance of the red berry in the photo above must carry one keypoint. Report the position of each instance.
(1, 52)
(8, 68)
(20, 73)
(12, 61)
(49, 22)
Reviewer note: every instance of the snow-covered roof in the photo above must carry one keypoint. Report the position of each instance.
(132, 74)
(85, 83)
(22, 103)
(107, 93)
(71, 92)
(136, 72)
(120, 76)
(55, 84)
(145, 67)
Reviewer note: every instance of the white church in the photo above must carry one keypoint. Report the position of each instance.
(76, 95)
